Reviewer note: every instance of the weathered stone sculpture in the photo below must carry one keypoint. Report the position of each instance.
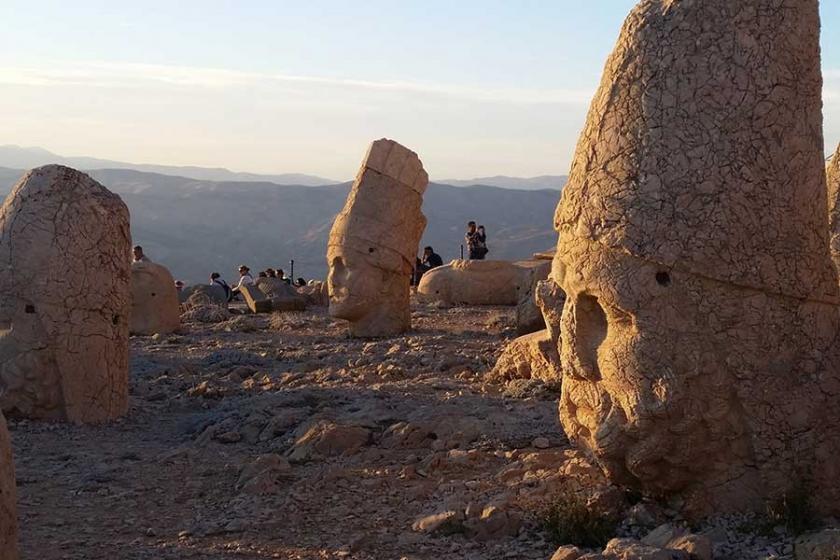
(699, 340)
(283, 297)
(64, 246)
(481, 282)
(373, 243)
(8, 497)
(155, 307)
(833, 178)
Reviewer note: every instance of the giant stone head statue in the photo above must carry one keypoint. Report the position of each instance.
(373, 242)
(699, 337)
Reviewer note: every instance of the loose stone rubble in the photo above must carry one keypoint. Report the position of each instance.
(154, 300)
(373, 243)
(8, 497)
(64, 268)
(700, 335)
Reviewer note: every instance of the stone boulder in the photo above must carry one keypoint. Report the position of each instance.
(154, 300)
(283, 297)
(64, 314)
(203, 294)
(532, 356)
(700, 337)
(373, 243)
(463, 282)
(8, 497)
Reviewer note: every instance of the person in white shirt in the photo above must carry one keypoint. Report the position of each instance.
(244, 278)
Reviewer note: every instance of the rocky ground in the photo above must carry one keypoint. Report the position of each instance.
(276, 436)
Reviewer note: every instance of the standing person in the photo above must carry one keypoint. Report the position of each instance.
(476, 239)
(245, 278)
(138, 254)
(217, 280)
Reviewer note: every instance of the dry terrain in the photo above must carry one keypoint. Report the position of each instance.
(358, 440)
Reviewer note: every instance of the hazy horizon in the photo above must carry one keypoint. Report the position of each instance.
(477, 89)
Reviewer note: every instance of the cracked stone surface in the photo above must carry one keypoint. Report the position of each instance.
(465, 282)
(8, 497)
(373, 242)
(699, 338)
(154, 300)
(64, 268)
(833, 178)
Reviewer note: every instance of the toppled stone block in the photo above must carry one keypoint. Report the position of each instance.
(255, 299)
(283, 297)
(481, 282)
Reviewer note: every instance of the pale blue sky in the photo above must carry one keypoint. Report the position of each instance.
(476, 87)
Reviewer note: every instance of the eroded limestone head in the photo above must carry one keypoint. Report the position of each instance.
(374, 240)
(698, 336)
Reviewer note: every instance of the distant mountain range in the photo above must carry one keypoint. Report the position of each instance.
(555, 182)
(197, 226)
(17, 157)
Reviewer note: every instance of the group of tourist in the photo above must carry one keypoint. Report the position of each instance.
(475, 237)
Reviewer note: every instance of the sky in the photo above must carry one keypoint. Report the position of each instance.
(475, 87)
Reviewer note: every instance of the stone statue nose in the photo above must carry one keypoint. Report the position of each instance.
(583, 329)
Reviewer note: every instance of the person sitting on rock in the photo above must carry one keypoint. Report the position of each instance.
(179, 285)
(245, 278)
(300, 282)
(138, 254)
(217, 280)
(430, 259)
(282, 276)
(476, 239)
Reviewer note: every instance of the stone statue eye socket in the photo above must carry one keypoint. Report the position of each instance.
(29, 309)
(663, 278)
(371, 250)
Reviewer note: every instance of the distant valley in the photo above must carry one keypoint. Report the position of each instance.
(198, 226)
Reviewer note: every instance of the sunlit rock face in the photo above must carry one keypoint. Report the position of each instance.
(373, 242)
(64, 268)
(698, 340)
(833, 178)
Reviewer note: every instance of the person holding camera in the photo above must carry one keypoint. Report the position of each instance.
(476, 239)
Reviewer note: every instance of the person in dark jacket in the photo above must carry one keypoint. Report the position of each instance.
(430, 260)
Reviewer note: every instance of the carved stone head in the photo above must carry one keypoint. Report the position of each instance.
(699, 332)
(373, 242)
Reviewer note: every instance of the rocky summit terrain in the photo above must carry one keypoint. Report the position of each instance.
(276, 436)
